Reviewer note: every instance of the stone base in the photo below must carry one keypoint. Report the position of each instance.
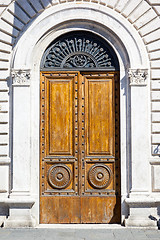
(19, 212)
(15, 222)
(142, 212)
(133, 222)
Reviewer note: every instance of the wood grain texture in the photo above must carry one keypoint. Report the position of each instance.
(97, 209)
(99, 115)
(60, 210)
(60, 116)
(79, 210)
(79, 148)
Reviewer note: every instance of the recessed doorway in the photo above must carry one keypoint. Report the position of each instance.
(79, 132)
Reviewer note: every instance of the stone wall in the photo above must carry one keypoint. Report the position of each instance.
(16, 16)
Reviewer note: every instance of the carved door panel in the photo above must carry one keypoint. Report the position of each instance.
(79, 148)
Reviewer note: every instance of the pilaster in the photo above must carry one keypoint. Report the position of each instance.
(139, 132)
(141, 207)
(20, 201)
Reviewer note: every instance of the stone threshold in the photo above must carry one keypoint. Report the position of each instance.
(88, 226)
(81, 226)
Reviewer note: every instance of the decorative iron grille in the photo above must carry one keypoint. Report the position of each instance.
(79, 50)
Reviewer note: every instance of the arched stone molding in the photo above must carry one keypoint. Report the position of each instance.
(132, 55)
(137, 47)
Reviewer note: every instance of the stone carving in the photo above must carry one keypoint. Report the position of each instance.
(78, 51)
(21, 77)
(99, 176)
(138, 77)
(59, 176)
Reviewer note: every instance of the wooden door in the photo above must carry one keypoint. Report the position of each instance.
(79, 148)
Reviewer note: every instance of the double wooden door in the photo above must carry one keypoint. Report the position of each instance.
(79, 148)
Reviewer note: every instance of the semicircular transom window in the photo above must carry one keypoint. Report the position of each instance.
(81, 51)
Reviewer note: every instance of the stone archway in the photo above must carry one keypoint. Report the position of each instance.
(128, 47)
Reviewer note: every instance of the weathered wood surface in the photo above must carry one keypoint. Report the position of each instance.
(79, 149)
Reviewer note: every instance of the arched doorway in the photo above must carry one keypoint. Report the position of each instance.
(132, 57)
(79, 131)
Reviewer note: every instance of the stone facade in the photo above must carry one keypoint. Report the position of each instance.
(132, 28)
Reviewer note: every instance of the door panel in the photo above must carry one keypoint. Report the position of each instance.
(59, 116)
(60, 209)
(97, 209)
(58, 148)
(79, 148)
(99, 115)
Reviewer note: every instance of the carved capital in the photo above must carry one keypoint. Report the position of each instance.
(138, 77)
(21, 77)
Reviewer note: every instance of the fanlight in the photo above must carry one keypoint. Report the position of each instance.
(79, 50)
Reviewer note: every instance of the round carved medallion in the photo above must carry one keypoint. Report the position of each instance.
(59, 176)
(99, 176)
